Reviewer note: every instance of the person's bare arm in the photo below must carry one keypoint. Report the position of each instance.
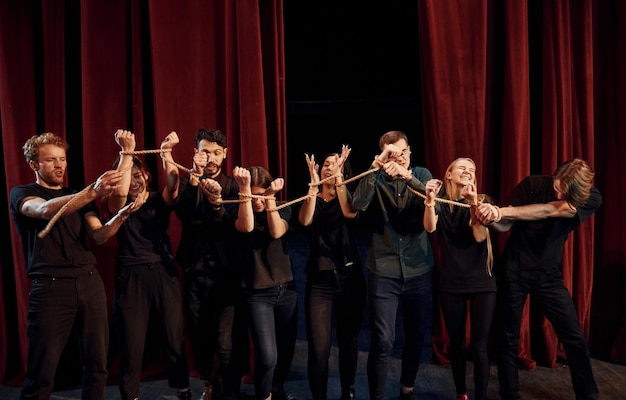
(502, 218)
(100, 233)
(37, 207)
(170, 192)
(245, 216)
(305, 215)
(343, 194)
(277, 226)
(126, 140)
(430, 216)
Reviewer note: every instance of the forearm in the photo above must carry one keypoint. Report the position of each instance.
(172, 181)
(108, 230)
(47, 209)
(430, 216)
(305, 215)
(554, 209)
(345, 200)
(277, 226)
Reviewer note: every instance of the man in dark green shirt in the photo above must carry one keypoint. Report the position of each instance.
(400, 260)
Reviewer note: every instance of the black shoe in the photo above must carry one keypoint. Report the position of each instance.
(408, 396)
(282, 395)
(348, 393)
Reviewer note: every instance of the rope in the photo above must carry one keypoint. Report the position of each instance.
(187, 170)
(59, 213)
(219, 200)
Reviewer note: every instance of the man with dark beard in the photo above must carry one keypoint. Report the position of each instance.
(212, 285)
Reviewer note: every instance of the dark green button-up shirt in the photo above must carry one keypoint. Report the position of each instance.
(400, 246)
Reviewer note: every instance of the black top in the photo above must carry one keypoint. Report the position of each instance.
(207, 234)
(265, 260)
(535, 248)
(332, 243)
(62, 252)
(464, 261)
(144, 236)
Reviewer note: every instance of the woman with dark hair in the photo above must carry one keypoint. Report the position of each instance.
(268, 280)
(466, 276)
(146, 279)
(335, 280)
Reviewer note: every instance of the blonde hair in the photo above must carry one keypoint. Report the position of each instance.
(451, 192)
(32, 145)
(576, 178)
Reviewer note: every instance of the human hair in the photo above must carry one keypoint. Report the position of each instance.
(392, 137)
(451, 192)
(32, 145)
(576, 179)
(211, 135)
(260, 177)
(141, 165)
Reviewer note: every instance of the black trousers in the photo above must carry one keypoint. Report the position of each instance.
(340, 295)
(210, 310)
(142, 291)
(57, 306)
(559, 309)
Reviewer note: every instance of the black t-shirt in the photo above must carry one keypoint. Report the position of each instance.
(207, 236)
(265, 260)
(537, 246)
(62, 252)
(464, 261)
(331, 239)
(144, 236)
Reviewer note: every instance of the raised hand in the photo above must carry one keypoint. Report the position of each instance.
(275, 187)
(313, 169)
(432, 188)
(242, 177)
(341, 160)
(170, 141)
(200, 160)
(107, 182)
(469, 193)
(125, 139)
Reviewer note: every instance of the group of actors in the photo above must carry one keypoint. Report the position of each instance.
(238, 301)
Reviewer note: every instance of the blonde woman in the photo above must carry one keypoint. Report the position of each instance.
(466, 275)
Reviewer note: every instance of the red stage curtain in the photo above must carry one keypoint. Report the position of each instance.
(84, 69)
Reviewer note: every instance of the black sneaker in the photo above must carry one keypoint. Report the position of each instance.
(348, 393)
(282, 395)
(186, 395)
(408, 396)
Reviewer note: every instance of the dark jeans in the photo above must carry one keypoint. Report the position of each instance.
(142, 291)
(558, 308)
(342, 294)
(56, 306)
(384, 297)
(481, 309)
(273, 314)
(210, 309)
